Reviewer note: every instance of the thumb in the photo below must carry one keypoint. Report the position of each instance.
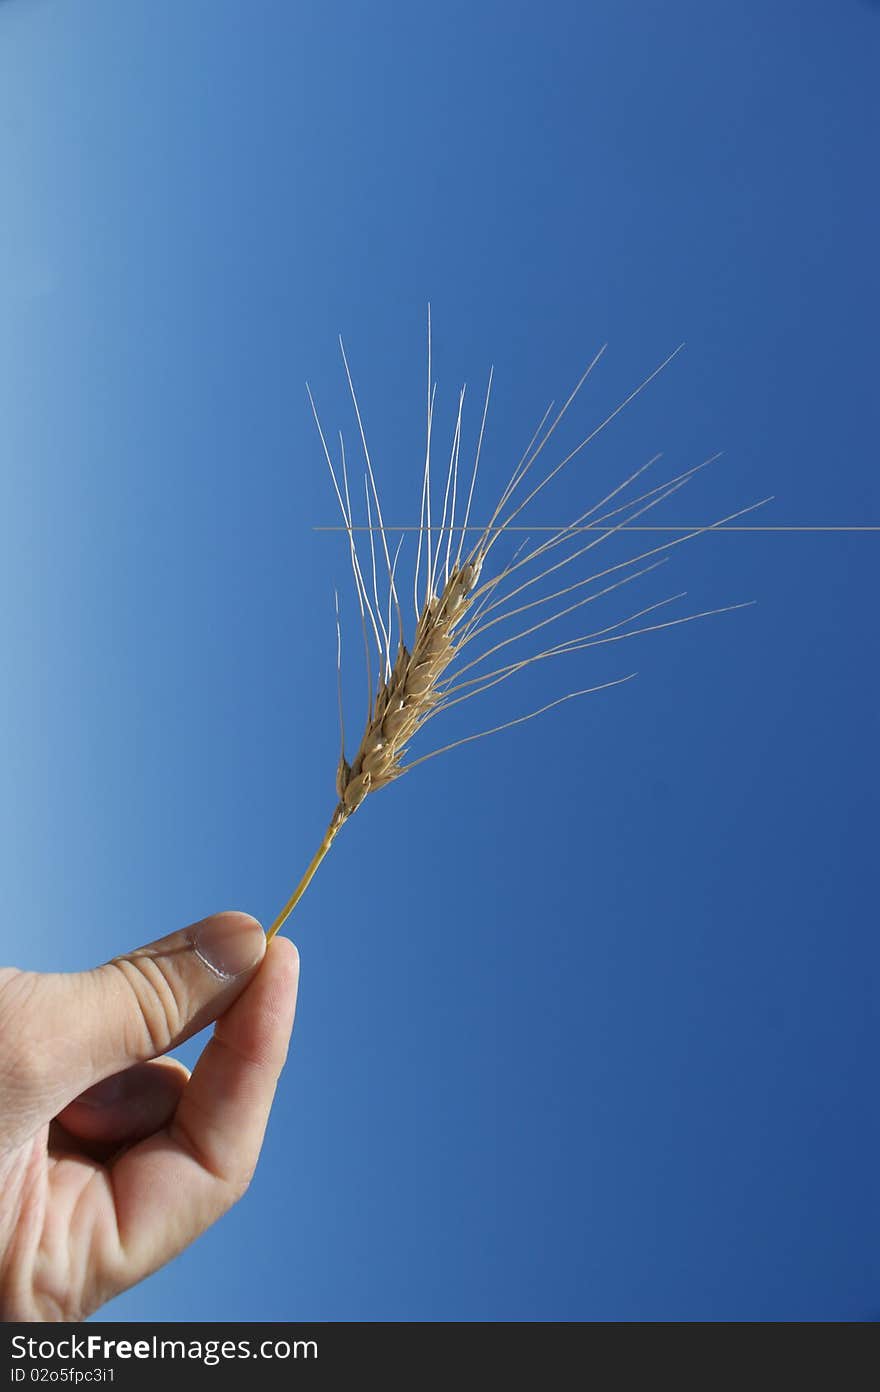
(73, 1030)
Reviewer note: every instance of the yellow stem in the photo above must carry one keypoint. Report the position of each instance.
(305, 881)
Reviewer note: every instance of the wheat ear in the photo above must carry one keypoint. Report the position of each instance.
(416, 683)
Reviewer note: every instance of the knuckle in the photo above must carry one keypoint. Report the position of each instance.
(236, 1186)
(231, 1182)
(159, 998)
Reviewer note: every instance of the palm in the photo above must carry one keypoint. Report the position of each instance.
(60, 1217)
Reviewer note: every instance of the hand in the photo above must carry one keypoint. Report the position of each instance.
(112, 1158)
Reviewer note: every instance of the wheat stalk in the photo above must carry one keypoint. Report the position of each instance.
(458, 605)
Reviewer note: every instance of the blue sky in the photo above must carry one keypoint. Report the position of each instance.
(619, 1060)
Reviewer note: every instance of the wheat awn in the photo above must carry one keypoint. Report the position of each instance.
(457, 605)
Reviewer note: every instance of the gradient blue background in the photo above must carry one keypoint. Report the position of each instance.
(619, 1061)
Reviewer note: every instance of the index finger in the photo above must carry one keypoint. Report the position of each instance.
(172, 1186)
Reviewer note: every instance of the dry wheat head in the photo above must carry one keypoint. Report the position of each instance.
(458, 605)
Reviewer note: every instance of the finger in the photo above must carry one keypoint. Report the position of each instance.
(127, 1106)
(173, 1185)
(63, 1033)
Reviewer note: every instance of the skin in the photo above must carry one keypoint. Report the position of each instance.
(112, 1157)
